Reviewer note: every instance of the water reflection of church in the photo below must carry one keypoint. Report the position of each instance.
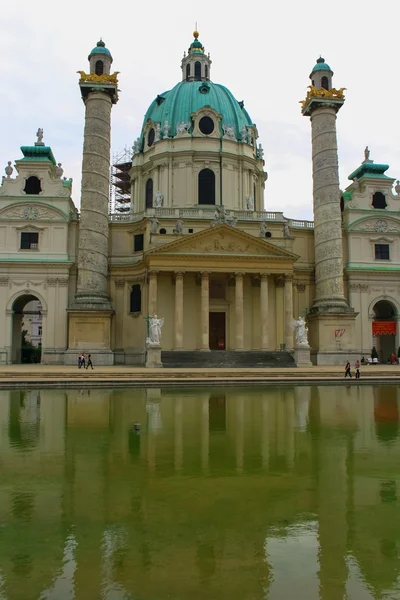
(221, 491)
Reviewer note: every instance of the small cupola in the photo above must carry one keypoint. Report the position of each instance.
(100, 59)
(321, 75)
(196, 64)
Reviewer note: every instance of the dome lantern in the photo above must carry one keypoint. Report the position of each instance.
(196, 64)
(100, 59)
(321, 75)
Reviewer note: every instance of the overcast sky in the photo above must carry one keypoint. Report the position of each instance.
(263, 52)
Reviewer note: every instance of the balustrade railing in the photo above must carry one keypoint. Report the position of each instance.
(208, 213)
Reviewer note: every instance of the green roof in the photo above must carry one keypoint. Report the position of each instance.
(38, 154)
(321, 65)
(100, 48)
(187, 97)
(369, 169)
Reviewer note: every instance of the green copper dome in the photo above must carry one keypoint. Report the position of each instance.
(321, 65)
(100, 48)
(187, 97)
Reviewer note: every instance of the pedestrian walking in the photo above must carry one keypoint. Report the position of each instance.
(89, 362)
(347, 370)
(82, 360)
(357, 368)
(79, 361)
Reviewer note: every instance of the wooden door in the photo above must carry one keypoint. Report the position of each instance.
(217, 331)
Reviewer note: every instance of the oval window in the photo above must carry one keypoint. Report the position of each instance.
(150, 137)
(206, 125)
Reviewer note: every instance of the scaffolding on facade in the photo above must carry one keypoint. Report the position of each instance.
(120, 185)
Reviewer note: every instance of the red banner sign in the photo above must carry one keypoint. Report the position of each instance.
(383, 327)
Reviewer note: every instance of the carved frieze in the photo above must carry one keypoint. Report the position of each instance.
(4, 280)
(30, 213)
(380, 226)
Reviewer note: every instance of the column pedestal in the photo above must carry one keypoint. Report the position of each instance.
(302, 356)
(89, 332)
(153, 356)
(332, 349)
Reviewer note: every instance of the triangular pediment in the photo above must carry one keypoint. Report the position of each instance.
(223, 240)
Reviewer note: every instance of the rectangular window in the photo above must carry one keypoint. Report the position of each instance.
(382, 252)
(29, 240)
(138, 242)
(40, 330)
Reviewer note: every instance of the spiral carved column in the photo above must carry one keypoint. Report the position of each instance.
(93, 226)
(327, 215)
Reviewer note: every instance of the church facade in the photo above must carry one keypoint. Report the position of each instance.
(197, 246)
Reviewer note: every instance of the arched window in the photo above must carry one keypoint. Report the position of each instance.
(206, 71)
(379, 200)
(187, 71)
(32, 185)
(149, 193)
(206, 187)
(197, 71)
(136, 299)
(325, 83)
(99, 67)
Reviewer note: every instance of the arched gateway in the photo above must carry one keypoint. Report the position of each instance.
(26, 332)
(384, 329)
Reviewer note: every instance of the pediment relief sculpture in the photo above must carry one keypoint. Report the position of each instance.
(224, 241)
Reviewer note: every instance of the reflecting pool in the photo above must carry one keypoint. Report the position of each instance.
(191, 494)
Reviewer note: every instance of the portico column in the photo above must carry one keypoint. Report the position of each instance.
(239, 310)
(179, 310)
(288, 312)
(152, 303)
(205, 311)
(264, 310)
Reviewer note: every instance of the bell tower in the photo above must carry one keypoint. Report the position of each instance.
(90, 314)
(330, 311)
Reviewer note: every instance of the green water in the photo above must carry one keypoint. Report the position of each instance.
(236, 493)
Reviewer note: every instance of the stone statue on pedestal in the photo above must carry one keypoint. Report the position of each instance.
(159, 200)
(155, 326)
(39, 135)
(9, 170)
(178, 227)
(300, 332)
(250, 203)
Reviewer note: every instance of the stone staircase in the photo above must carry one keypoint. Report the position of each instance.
(250, 359)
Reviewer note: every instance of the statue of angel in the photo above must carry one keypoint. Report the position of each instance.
(301, 330)
(155, 325)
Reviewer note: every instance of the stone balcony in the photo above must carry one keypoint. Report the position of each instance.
(208, 214)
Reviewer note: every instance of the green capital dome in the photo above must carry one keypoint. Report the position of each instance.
(321, 65)
(187, 97)
(100, 48)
